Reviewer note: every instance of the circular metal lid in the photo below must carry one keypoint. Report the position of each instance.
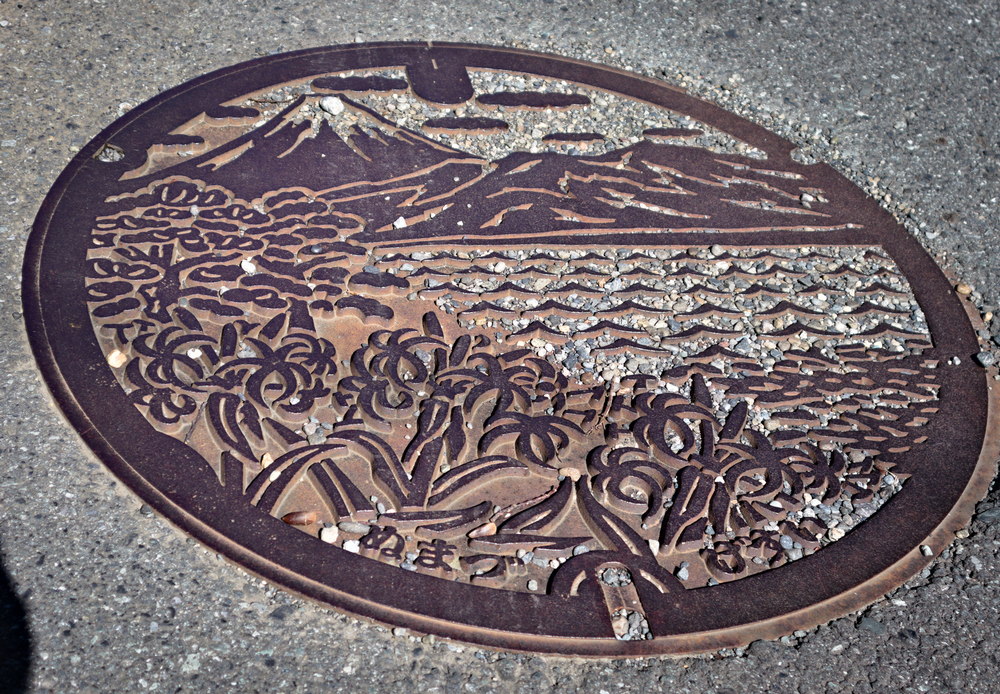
(508, 348)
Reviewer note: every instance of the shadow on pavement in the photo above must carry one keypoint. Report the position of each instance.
(15, 638)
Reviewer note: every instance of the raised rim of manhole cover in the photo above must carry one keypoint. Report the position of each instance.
(509, 348)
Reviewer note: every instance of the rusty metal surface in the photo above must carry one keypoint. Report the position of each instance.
(508, 348)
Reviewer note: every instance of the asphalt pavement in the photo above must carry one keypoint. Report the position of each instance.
(98, 594)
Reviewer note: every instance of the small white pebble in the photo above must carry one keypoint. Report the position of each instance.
(248, 267)
(570, 472)
(329, 535)
(353, 546)
(117, 358)
(194, 352)
(332, 105)
(926, 551)
(400, 223)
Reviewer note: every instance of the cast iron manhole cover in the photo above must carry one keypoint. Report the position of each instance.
(509, 348)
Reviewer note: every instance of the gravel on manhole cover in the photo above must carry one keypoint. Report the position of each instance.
(509, 348)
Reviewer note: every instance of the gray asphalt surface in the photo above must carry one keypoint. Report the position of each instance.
(100, 596)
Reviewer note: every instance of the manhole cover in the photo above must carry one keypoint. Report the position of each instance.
(508, 348)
